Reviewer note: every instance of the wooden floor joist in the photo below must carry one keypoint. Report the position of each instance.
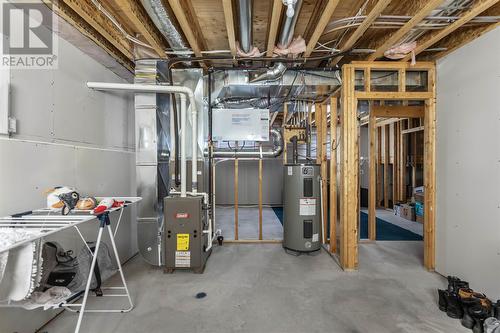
(426, 8)
(432, 38)
(321, 25)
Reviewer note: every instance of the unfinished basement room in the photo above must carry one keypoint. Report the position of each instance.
(250, 166)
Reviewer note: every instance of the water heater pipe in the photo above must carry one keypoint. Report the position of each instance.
(185, 93)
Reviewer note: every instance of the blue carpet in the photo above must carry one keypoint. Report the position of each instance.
(279, 213)
(385, 231)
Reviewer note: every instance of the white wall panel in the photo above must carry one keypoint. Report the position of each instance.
(468, 164)
(67, 135)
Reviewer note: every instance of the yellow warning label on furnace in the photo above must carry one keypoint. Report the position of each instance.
(182, 242)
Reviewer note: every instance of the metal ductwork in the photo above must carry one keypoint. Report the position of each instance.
(162, 19)
(245, 16)
(278, 144)
(286, 36)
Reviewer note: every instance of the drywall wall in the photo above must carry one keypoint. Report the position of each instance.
(468, 164)
(66, 135)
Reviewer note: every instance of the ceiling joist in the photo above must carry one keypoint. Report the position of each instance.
(140, 19)
(91, 14)
(184, 13)
(430, 39)
(361, 29)
(229, 18)
(273, 26)
(427, 7)
(69, 15)
(320, 27)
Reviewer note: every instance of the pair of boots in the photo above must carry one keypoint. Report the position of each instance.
(476, 308)
(449, 300)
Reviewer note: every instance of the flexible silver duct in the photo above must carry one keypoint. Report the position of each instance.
(286, 35)
(161, 18)
(278, 144)
(245, 16)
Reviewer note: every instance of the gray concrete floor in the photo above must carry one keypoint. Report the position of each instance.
(259, 288)
(248, 223)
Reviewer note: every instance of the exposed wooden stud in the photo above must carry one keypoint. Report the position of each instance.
(402, 164)
(387, 159)
(414, 129)
(383, 95)
(136, 14)
(285, 144)
(322, 141)
(236, 198)
(102, 24)
(333, 174)
(432, 38)
(274, 26)
(229, 18)
(395, 163)
(321, 25)
(393, 65)
(430, 177)
(189, 24)
(361, 29)
(402, 80)
(398, 111)
(253, 241)
(318, 117)
(349, 169)
(260, 198)
(372, 187)
(426, 9)
(69, 15)
(380, 173)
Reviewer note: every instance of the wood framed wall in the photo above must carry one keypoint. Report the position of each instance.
(349, 167)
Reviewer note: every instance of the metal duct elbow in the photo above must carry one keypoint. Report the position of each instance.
(279, 142)
(287, 30)
(162, 20)
(245, 17)
(272, 74)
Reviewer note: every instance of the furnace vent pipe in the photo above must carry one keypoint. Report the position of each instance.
(185, 93)
(245, 16)
(287, 30)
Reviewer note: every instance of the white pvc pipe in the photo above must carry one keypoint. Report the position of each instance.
(194, 164)
(185, 92)
(183, 146)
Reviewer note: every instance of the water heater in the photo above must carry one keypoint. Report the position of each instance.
(302, 210)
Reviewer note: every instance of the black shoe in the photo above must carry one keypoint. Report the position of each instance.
(454, 284)
(496, 310)
(479, 314)
(467, 303)
(442, 300)
(453, 308)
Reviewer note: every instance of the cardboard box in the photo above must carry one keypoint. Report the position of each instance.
(408, 212)
(397, 209)
(419, 197)
(420, 219)
(419, 209)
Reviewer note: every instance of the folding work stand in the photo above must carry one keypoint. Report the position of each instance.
(43, 224)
